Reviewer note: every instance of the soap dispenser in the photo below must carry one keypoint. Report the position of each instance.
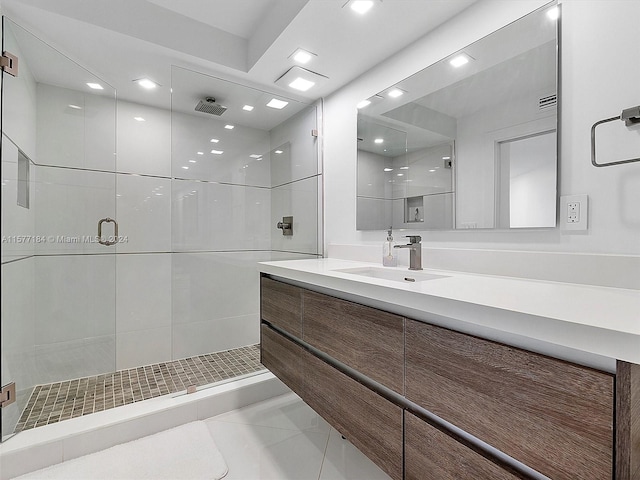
(389, 258)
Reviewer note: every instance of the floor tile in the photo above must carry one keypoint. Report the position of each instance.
(343, 461)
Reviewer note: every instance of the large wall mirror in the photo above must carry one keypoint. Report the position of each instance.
(468, 142)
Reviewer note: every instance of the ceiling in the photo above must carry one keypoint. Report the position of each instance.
(246, 41)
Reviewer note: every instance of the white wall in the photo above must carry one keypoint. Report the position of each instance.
(598, 81)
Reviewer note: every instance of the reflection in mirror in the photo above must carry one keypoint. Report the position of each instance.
(469, 142)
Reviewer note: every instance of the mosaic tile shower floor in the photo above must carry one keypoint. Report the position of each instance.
(55, 402)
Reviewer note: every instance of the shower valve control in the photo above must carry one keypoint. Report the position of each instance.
(286, 225)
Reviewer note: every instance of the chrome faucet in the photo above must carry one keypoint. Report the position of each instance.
(415, 251)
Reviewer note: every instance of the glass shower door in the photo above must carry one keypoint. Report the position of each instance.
(58, 193)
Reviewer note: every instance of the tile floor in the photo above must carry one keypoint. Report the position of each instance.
(55, 402)
(283, 438)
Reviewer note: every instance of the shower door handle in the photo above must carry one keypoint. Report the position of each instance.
(115, 232)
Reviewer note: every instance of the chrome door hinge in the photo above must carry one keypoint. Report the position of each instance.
(8, 394)
(9, 63)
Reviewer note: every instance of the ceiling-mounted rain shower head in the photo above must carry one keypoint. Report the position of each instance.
(209, 105)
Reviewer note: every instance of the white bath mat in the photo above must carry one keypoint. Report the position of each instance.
(183, 453)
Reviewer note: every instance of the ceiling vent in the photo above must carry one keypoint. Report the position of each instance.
(547, 102)
(209, 105)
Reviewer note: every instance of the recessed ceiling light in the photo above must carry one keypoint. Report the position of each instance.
(275, 103)
(192, 161)
(400, 174)
(95, 86)
(378, 140)
(214, 140)
(278, 152)
(146, 83)
(361, 6)
(460, 60)
(446, 158)
(186, 168)
(139, 119)
(200, 153)
(363, 103)
(229, 127)
(248, 108)
(302, 56)
(217, 152)
(302, 84)
(432, 170)
(75, 107)
(388, 169)
(404, 168)
(255, 156)
(395, 93)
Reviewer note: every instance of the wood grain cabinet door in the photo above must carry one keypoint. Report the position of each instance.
(431, 454)
(283, 358)
(366, 339)
(281, 305)
(370, 422)
(554, 416)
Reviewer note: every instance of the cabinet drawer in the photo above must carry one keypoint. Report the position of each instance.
(553, 416)
(281, 305)
(368, 340)
(369, 421)
(283, 358)
(429, 453)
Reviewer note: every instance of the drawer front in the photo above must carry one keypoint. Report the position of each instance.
(370, 422)
(368, 340)
(551, 415)
(283, 358)
(429, 453)
(281, 305)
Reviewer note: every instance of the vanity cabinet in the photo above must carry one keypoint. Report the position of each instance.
(337, 328)
(393, 386)
(554, 416)
(432, 453)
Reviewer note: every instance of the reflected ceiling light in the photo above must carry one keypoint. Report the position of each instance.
(460, 60)
(404, 168)
(363, 103)
(302, 84)
(553, 13)
(139, 119)
(275, 103)
(192, 161)
(200, 153)
(300, 79)
(360, 6)
(75, 107)
(214, 140)
(278, 152)
(248, 108)
(146, 83)
(186, 168)
(400, 174)
(446, 158)
(395, 93)
(378, 140)
(229, 127)
(302, 56)
(95, 86)
(388, 169)
(217, 152)
(432, 170)
(255, 156)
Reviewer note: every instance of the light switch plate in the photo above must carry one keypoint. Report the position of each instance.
(574, 212)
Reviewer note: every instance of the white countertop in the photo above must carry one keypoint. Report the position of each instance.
(578, 319)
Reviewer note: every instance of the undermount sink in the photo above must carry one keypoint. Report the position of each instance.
(406, 276)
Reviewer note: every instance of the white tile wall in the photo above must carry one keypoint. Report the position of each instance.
(72, 137)
(299, 199)
(300, 157)
(143, 347)
(212, 216)
(69, 203)
(74, 297)
(143, 206)
(144, 147)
